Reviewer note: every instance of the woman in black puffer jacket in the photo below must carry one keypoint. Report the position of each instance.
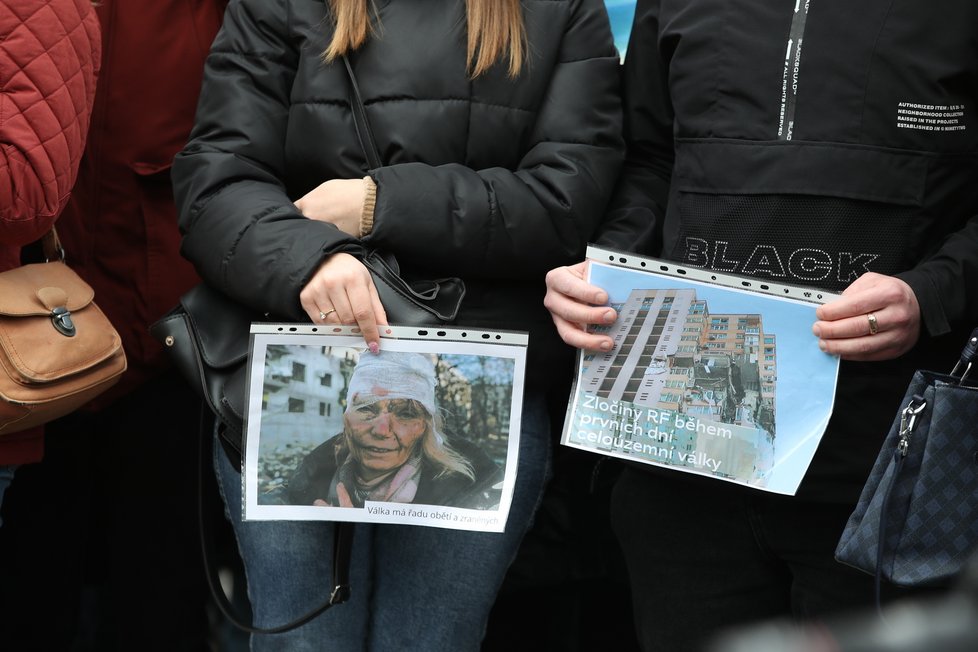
(498, 124)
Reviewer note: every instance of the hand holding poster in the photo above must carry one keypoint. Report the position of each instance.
(425, 432)
(710, 374)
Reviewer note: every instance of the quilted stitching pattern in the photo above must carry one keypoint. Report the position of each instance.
(932, 524)
(49, 57)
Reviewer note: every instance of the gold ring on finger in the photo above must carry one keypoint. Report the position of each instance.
(874, 326)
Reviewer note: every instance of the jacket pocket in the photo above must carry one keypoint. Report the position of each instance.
(808, 214)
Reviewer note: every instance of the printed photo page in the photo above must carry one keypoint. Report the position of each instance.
(425, 432)
(713, 374)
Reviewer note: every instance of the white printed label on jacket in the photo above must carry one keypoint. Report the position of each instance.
(930, 117)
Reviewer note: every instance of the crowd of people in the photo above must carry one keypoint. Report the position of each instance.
(222, 147)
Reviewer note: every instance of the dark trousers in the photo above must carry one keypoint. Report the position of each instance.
(99, 548)
(706, 556)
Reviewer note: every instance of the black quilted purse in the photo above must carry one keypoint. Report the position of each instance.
(916, 522)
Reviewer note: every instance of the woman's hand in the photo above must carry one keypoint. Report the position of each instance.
(337, 201)
(873, 302)
(574, 303)
(342, 292)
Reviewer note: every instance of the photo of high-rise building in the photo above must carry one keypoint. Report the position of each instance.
(673, 356)
(672, 353)
(707, 374)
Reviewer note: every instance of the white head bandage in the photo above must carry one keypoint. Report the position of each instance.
(392, 374)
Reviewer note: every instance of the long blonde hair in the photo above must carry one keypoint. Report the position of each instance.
(495, 31)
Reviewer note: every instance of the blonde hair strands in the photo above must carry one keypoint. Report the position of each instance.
(495, 31)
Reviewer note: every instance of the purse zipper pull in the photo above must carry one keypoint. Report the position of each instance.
(908, 419)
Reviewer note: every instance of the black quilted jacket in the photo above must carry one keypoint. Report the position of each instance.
(492, 180)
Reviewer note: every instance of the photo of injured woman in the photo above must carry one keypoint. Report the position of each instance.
(345, 434)
(391, 448)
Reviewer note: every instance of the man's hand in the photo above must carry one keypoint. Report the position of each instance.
(872, 302)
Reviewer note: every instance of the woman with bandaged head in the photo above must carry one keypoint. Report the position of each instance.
(392, 448)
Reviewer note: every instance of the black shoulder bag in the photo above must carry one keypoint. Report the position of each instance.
(206, 338)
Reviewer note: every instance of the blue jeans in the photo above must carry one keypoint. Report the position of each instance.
(6, 477)
(412, 587)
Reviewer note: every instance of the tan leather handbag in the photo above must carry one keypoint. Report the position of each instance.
(57, 349)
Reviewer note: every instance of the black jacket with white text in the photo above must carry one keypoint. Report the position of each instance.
(808, 143)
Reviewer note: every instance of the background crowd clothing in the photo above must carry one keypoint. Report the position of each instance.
(49, 62)
(119, 228)
(99, 545)
(100, 550)
(716, 558)
(729, 168)
(567, 589)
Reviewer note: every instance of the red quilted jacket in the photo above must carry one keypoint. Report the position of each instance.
(49, 59)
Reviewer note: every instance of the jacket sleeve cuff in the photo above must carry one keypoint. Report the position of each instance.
(369, 204)
(932, 312)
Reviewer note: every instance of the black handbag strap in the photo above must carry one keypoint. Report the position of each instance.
(342, 549)
(364, 133)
